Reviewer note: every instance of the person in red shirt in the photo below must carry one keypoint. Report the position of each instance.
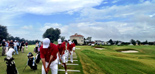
(66, 51)
(73, 44)
(49, 56)
(26, 45)
(70, 51)
(61, 47)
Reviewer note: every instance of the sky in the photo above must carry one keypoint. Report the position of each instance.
(100, 19)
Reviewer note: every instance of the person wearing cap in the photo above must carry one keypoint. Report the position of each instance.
(70, 51)
(49, 56)
(3, 47)
(66, 51)
(61, 47)
(15, 47)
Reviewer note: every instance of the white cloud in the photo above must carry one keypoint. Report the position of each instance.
(133, 21)
(45, 7)
(105, 2)
(49, 25)
(112, 12)
(115, 1)
(27, 27)
(152, 15)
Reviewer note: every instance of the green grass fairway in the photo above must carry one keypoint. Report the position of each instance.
(21, 61)
(94, 61)
(109, 61)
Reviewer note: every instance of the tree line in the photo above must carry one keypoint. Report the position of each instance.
(132, 42)
(51, 33)
(5, 35)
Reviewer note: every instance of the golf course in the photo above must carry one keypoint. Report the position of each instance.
(106, 60)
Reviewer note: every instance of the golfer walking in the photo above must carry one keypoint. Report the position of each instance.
(49, 56)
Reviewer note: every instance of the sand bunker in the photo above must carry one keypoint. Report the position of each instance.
(127, 51)
(130, 51)
(99, 48)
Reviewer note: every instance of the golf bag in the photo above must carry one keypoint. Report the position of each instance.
(31, 61)
(11, 67)
(38, 57)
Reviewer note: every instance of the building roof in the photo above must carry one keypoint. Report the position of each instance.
(76, 35)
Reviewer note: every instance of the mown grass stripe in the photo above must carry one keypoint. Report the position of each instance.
(71, 64)
(69, 70)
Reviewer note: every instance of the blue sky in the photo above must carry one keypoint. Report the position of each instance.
(101, 19)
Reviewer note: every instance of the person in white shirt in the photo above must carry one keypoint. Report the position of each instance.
(7, 46)
(9, 53)
(15, 47)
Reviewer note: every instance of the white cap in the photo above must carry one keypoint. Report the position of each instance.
(15, 40)
(59, 41)
(3, 39)
(70, 42)
(46, 43)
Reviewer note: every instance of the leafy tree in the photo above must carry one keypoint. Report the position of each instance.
(10, 37)
(52, 34)
(85, 41)
(3, 33)
(111, 42)
(146, 42)
(116, 42)
(138, 42)
(89, 39)
(133, 42)
(17, 38)
(75, 41)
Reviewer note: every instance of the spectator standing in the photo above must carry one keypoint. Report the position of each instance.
(26, 45)
(18, 45)
(3, 47)
(11, 44)
(7, 46)
(22, 46)
(36, 49)
(40, 44)
(15, 47)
